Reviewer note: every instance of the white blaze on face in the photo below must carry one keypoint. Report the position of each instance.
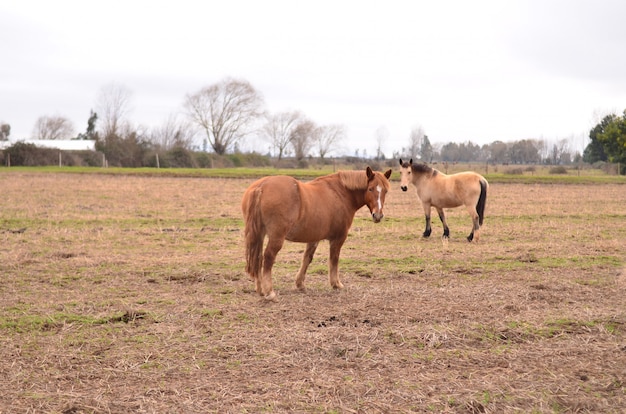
(380, 207)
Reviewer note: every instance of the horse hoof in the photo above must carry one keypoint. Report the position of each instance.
(339, 285)
(271, 297)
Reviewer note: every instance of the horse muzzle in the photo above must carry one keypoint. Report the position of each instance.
(377, 217)
(404, 187)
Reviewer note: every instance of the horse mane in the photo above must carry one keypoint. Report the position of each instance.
(422, 168)
(356, 180)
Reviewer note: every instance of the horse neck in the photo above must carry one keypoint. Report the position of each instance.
(420, 178)
(356, 197)
(427, 175)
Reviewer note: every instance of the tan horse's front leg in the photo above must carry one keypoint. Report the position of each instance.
(306, 260)
(428, 229)
(264, 282)
(442, 217)
(333, 262)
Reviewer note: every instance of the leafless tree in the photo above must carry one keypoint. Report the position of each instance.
(53, 127)
(5, 131)
(415, 142)
(113, 105)
(279, 128)
(226, 112)
(173, 133)
(543, 148)
(302, 138)
(382, 135)
(560, 153)
(328, 137)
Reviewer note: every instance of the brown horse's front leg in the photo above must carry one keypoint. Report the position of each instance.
(306, 260)
(333, 262)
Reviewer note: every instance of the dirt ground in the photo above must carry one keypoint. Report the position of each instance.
(128, 294)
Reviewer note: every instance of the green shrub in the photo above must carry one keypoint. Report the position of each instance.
(559, 169)
(514, 171)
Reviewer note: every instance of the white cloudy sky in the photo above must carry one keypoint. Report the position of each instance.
(462, 70)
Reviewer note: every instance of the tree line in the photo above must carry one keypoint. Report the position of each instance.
(221, 116)
(526, 151)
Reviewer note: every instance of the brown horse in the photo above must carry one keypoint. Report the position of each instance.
(439, 190)
(284, 208)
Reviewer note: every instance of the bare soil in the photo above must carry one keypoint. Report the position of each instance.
(128, 294)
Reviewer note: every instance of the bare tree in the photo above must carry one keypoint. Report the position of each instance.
(415, 142)
(173, 133)
(225, 111)
(302, 138)
(113, 105)
(53, 127)
(328, 137)
(560, 153)
(5, 131)
(279, 128)
(382, 135)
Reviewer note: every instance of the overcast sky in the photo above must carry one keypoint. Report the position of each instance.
(475, 71)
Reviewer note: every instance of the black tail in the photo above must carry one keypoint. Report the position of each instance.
(482, 201)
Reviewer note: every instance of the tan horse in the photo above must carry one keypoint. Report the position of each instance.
(284, 208)
(439, 190)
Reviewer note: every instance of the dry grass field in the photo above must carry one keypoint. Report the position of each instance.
(127, 294)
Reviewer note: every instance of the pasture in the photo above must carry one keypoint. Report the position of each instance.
(128, 294)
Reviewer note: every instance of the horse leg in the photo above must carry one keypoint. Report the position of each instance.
(306, 260)
(475, 234)
(442, 217)
(428, 229)
(264, 282)
(333, 262)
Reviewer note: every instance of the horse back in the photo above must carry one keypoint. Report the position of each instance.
(449, 191)
(275, 196)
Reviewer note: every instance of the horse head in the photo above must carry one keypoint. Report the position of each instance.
(377, 187)
(405, 174)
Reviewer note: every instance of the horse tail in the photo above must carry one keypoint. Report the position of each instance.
(254, 233)
(482, 201)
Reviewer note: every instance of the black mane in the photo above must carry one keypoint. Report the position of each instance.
(421, 168)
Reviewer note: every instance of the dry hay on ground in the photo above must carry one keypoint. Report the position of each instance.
(127, 294)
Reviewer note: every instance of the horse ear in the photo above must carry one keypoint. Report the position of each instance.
(388, 173)
(400, 162)
(370, 173)
(411, 161)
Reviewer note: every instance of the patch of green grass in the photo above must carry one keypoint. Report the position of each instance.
(212, 313)
(537, 177)
(18, 321)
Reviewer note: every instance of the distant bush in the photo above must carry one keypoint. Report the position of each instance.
(514, 171)
(254, 159)
(23, 154)
(28, 155)
(559, 169)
